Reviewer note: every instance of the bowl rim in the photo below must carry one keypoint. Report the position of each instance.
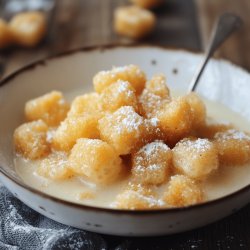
(102, 48)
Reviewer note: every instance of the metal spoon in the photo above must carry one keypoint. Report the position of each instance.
(225, 26)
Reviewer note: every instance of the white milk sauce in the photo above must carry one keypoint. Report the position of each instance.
(223, 182)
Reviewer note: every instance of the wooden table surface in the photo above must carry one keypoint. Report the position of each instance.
(181, 23)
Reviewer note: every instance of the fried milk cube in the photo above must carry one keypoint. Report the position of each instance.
(73, 128)
(131, 73)
(175, 120)
(152, 163)
(133, 200)
(6, 38)
(137, 196)
(151, 132)
(146, 190)
(30, 140)
(28, 28)
(97, 160)
(55, 167)
(133, 21)
(147, 4)
(233, 147)
(198, 109)
(122, 129)
(51, 108)
(196, 158)
(154, 97)
(149, 103)
(118, 94)
(87, 103)
(157, 85)
(182, 191)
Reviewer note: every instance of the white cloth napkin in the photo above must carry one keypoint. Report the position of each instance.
(23, 228)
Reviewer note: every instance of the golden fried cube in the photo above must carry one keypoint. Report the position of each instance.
(131, 73)
(6, 38)
(73, 128)
(87, 103)
(154, 97)
(28, 28)
(145, 190)
(196, 158)
(97, 160)
(157, 85)
(182, 191)
(51, 108)
(30, 140)
(198, 109)
(133, 21)
(175, 120)
(233, 147)
(151, 132)
(117, 95)
(150, 104)
(122, 129)
(137, 197)
(147, 4)
(133, 200)
(55, 167)
(152, 163)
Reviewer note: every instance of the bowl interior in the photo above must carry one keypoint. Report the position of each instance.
(222, 82)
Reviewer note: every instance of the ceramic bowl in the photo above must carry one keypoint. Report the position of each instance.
(221, 81)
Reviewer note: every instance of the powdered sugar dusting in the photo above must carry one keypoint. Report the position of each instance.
(150, 168)
(199, 145)
(154, 121)
(153, 148)
(232, 134)
(133, 198)
(150, 163)
(154, 167)
(124, 88)
(50, 135)
(54, 167)
(151, 103)
(127, 119)
(150, 98)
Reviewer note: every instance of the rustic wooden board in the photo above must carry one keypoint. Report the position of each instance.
(231, 233)
(236, 49)
(78, 23)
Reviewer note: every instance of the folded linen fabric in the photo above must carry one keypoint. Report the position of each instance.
(23, 228)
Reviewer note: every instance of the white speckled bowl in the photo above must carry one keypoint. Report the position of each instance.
(222, 82)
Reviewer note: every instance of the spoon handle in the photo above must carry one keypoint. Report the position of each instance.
(225, 26)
